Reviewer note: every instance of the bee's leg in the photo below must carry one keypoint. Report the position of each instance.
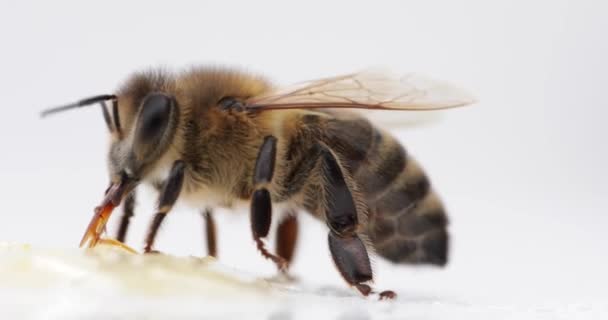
(210, 232)
(261, 206)
(127, 214)
(287, 235)
(167, 197)
(347, 249)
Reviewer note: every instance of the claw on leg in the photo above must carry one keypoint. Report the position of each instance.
(387, 295)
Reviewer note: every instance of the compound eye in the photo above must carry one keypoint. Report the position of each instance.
(154, 118)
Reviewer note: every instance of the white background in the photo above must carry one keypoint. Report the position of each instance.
(523, 172)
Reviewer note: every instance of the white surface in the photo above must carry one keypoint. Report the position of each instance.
(107, 283)
(523, 173)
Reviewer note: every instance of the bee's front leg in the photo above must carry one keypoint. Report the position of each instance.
(169, 194)
(261, 204)
(127, 213)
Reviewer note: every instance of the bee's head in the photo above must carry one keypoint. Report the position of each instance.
(142, 119)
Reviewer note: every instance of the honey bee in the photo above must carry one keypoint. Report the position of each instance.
(214, 137)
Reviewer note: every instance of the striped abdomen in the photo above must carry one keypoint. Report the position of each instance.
(407, 223)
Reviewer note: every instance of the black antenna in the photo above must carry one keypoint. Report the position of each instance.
(116, 117)
(82, 103)
(106, 114)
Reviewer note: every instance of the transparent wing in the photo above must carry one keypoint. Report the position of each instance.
(395, 119)
(370, 89)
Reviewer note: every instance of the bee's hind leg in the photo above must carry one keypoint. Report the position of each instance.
(261, 205)
(347, 249)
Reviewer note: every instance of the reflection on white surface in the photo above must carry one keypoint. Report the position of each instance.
(111, 283)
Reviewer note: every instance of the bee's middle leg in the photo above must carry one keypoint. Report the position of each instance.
(261, 205)
(287, 236)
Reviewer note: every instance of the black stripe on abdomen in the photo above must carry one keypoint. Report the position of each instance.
(384, 163)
